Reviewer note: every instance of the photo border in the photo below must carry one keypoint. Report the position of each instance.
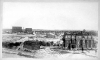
(1, 19)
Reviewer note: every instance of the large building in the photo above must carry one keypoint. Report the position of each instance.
(17, 29)
(28, 30)
(79, 40)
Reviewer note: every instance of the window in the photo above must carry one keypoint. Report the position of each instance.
(89, 37)
(69, 36)
(86, 37)
(66, 36)
(73, 37)
(79, 37)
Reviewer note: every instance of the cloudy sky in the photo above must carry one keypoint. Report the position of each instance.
(51, 15)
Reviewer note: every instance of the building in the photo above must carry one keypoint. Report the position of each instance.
(78, 40)
(17, 29)
(28, 30)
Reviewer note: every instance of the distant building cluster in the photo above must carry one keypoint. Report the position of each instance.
(43, 33)
(18, 29)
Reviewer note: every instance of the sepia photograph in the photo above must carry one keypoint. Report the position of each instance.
(50, 29)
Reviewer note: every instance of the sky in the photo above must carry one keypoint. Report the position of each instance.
(51, 15)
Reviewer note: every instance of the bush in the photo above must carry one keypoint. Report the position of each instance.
(10, 45)
(32, 45)
(5, 44)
